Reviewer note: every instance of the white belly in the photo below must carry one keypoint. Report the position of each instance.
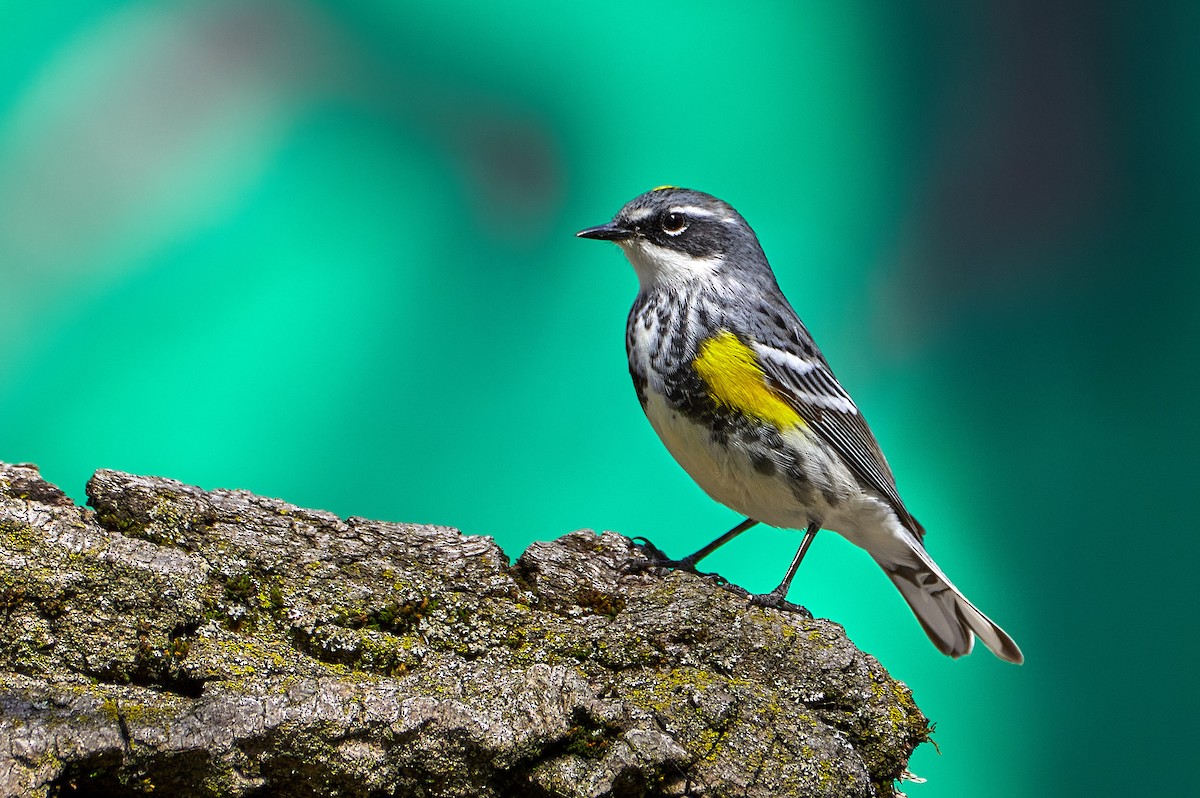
(727, 473)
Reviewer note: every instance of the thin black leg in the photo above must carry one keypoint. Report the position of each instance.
(777, 598)
(688, 563)
(691, 560)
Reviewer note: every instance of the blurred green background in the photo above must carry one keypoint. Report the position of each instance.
(324, 251)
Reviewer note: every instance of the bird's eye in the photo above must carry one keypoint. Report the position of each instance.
(674, 223)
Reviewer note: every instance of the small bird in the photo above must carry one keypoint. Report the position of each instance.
(734, 384)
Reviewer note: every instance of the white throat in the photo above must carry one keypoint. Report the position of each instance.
(657, 265)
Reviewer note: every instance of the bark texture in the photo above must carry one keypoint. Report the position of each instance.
(173, 641)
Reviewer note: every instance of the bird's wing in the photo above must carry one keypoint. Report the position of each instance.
(808, 385)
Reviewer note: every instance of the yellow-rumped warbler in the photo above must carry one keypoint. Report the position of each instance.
(738, 391)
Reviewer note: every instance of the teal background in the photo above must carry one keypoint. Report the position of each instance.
(324, 251)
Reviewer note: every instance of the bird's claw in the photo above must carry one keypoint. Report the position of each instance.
(777, 601)
(654, 557)
(657, 558)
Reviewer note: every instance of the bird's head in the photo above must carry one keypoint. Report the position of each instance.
(676, 235)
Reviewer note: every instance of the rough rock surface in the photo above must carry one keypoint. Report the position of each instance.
(181, 642)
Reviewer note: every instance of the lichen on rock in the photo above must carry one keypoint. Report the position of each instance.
(191, 642)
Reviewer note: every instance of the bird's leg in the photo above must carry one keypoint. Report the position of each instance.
(688, 563)
(777, 598)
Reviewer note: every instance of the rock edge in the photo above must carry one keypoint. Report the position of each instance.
(187, 642)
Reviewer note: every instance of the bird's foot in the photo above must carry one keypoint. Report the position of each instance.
(654, 557)
(776, 600)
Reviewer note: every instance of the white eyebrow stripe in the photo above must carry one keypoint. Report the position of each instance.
(692, 210)
(639, 214)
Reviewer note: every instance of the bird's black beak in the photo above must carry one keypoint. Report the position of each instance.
(613, 231)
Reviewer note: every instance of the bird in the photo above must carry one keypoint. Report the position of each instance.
(735, 386)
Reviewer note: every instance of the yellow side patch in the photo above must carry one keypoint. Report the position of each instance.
(735, 380)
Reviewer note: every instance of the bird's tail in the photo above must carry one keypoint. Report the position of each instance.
(950, 620)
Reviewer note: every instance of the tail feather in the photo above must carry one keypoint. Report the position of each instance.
(950, 620)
